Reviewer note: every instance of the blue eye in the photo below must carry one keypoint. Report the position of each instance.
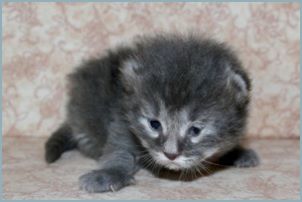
(195, 131)
(155, 124)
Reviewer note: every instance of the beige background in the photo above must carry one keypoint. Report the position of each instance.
(42, 42)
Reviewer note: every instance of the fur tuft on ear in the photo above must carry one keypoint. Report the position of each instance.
(240, 82)
(130, 67)
(129, 71)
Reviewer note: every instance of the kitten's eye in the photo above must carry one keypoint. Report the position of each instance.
(194, 131)
(155, 124)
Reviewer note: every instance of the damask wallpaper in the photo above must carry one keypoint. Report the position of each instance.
(42, 43)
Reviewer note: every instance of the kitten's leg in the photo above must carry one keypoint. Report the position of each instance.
(240, 157)
(118, 168)
(58, 143)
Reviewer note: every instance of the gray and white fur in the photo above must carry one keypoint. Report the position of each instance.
(173, 100)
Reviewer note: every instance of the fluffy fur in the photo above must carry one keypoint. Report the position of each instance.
(175, 101)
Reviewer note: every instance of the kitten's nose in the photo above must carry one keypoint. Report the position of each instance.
(171, 156)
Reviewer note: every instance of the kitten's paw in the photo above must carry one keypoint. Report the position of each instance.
(247, 158)
(104, 180)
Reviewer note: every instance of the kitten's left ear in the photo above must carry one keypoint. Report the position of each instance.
(240, 82)
(130, 74)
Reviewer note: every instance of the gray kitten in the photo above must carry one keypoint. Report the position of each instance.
(173, 100)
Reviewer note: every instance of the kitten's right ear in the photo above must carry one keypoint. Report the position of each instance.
(130, 74)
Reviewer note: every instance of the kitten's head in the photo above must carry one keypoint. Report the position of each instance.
(186, 99)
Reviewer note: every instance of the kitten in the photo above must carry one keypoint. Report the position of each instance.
(172, 99)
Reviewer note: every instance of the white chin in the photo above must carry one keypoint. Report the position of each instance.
(173, 166)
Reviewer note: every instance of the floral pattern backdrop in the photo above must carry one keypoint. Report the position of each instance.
(42, 42)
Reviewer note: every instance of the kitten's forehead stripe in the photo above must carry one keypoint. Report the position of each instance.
(184, 122)
(164, 117)
(174, 122)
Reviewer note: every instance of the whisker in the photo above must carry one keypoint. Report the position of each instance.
(181, 173)
(149, 162)
(186, 173)
(195, 173)
(216, 164)
(198, 170)
(208, 170)
(204, 168)
(190, 171)
(158, 169)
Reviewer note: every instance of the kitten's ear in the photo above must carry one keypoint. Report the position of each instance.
(239, 81)
(130, 74)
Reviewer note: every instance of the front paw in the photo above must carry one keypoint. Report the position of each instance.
(104, 180)
(248, 158)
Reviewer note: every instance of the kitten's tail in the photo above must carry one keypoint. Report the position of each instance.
(59, 142)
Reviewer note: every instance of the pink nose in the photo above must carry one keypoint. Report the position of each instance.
(171, 156)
